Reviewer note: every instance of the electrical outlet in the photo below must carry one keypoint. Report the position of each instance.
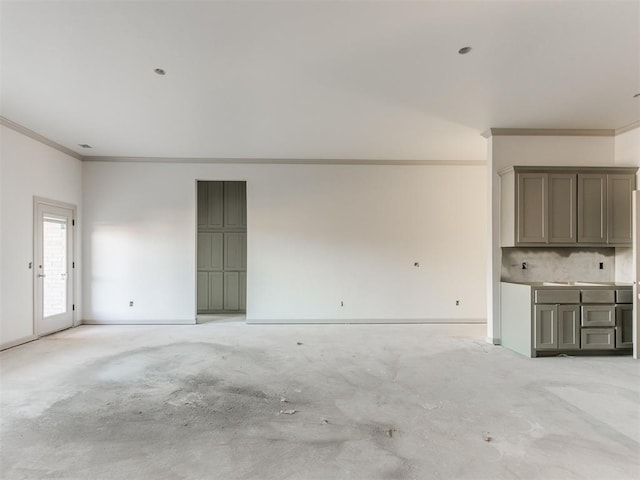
(525, 265)
(131, 303)
(341, 303)
(457, 303)
(601, 265)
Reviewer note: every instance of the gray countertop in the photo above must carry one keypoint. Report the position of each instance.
(579, 284)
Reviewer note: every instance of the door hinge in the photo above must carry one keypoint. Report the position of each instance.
(73, 307)
(73, 264)
(73, 223)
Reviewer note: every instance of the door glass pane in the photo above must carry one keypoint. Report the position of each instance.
(54, 266)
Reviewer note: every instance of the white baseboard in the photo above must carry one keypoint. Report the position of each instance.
(269, 321)
(184, 321)
(17, 342)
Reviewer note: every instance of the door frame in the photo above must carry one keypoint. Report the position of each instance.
(38, 201)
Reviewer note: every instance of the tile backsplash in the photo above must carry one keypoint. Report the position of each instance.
(559, 264)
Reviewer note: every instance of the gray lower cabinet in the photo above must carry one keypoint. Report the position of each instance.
(541, 320)
(557, 327)
(624, 326)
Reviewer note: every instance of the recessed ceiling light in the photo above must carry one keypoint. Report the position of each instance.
(84, 145)
(160, 71)
(464, 50)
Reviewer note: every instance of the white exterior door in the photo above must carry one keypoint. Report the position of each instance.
(54, 267)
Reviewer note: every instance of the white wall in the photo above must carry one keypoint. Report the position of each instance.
(29, 168)
(627, 153)
(317, 235)
(509, 150)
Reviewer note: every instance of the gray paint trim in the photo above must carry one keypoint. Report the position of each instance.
(39, 138)
(351, 321)
(288, 161)
(549, 132)
(20, 341)
(187, 321)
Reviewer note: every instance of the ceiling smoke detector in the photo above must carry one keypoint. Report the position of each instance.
(84, 145)
(464, 50)
(160, 71)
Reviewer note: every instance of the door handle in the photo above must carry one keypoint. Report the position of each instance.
(40, 275)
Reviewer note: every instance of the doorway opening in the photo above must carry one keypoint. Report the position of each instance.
(221, 247)
(54, 266)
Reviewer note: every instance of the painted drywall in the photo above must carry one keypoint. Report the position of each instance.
(627, 148)
(627, 153)
(29, 168)
(508, 150)
(318, 235)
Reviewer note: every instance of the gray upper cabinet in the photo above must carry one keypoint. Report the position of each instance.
(619, 225)
(558, 206)
(562, 209)
(532, 208)
(592, 208)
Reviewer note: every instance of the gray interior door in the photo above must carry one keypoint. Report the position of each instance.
(222, 247)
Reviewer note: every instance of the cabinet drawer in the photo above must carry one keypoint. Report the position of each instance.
(624, 296)
(557, 296)
(598, 296)
(598, 315)
(597, 338)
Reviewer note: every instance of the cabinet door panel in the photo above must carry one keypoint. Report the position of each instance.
(532, 206)
(203, 291)
(562, 208)
(619, 189)
(592, 212)
(210, 251)
(235, 251)
(235, 205)
(546, 327)
(568, 327)
(215, 217)
(231, 291)
(216, 291)
(242, 302)
(624, 326)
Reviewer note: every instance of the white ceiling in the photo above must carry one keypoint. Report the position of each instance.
(315, 79)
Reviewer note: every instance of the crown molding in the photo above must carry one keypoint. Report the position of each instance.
(39, 138)
(548, 132)
(287, 161)
(628, 128)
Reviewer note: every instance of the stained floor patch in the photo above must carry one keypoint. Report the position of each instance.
(206, 399)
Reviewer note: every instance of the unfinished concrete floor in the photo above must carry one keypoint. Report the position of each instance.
(370, 401)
